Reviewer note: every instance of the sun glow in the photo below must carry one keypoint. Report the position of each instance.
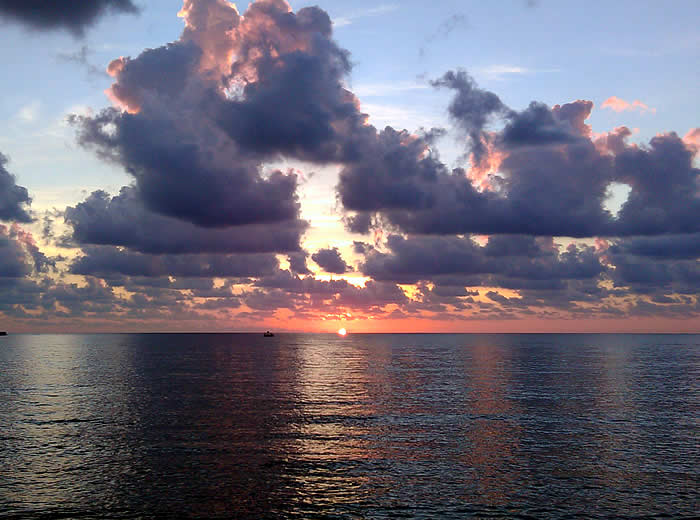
(342, 332)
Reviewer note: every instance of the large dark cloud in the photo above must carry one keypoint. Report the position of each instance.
(181, 173)
(105, 261)
(646, 276)
(105, 220)
(74, 16)
(680, 247)
(549, 176)
(13, 198)
(205, 113)
(427, 258)
(271, 85)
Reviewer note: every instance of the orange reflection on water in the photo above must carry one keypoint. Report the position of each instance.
(492, 437)
(333, 383)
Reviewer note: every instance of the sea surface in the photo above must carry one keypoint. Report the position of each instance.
(362, 426)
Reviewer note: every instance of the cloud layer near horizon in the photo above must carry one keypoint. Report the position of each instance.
(209, 232)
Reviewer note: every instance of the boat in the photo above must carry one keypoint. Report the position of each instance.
(3, 333)
(268, 334)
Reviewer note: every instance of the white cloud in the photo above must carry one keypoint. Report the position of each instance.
(29, 113)
(342, 21)
(385, 89)
(399, 117)
(502, 71)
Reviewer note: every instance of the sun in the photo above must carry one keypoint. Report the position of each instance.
(342, 332)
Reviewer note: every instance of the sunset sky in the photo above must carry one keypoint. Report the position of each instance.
(514, 166)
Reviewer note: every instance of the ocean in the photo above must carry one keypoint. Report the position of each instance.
(362, 426)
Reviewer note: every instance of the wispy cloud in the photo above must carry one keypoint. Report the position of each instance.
(503, 71)
(382, 115)
(30, 112)
(80, 57)
(342, 21)
(620, 105)
(386, 89)
(442, 31)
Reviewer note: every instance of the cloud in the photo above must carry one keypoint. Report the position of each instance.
(381, 9)
(195, 150)
(13, 262)
(297, 263)
(443, 30)
(426, 258)
(76, 17)
(203, 182)
(499, 72)
(620, 105)
(13, 198)
(200, 233)
(105, 220)
(29, 113)
(471, 108)
(667, 247)
(387, 89)
(330, 261)
(106, 261)
(692, 140)
(80, 58)
(552, 176)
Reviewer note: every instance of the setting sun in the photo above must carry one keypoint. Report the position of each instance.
(342, 332)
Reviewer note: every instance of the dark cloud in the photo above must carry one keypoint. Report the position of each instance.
(13, 261)
(107, 260)
(665, 194)
(471, 107)
(427, 258)
(301, 99)
(645, 276)
(41, 262)
(194, 181)
(361, 248)
(297, 262)
(295, 284)
(74, 16)
(680, 247)
(373, 296)
(540, 125)
(19, 254)
(81, 58)
(330, 261)
(443, 30)
(13, 198)
(199, 128)
(548, 176)
(105, 220)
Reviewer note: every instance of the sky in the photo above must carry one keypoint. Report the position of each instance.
(511, 166)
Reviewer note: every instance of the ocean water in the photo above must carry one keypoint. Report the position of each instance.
(365, 426)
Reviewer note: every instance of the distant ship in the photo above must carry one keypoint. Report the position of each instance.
(268, 334)
(3, 333)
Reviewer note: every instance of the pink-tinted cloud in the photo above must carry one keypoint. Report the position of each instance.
(620, 105)
(692, 140)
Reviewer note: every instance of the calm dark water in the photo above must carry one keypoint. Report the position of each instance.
(367, 426)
